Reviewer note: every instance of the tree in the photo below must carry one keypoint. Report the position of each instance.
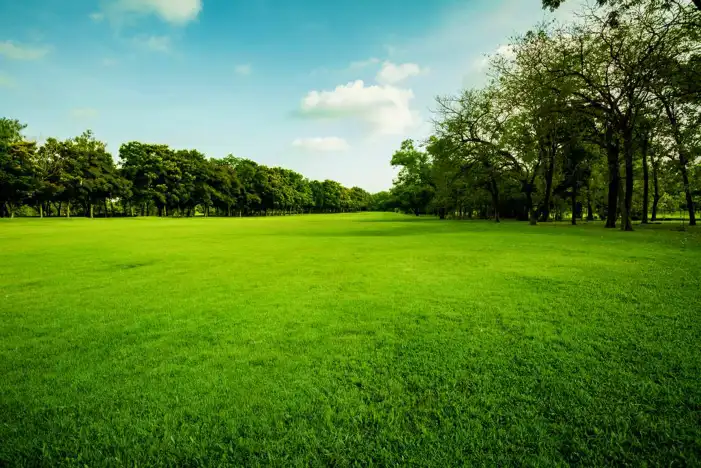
(555, 4)
(48, 169)
(16, 171)
(17, 180)
(413, 188)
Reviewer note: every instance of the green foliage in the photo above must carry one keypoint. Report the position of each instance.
(153, 179)
(414, 188)
(565, 120)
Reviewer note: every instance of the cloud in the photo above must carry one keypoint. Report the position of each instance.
(15, 51)
(323, 144)
(6, 81)
(243, 69)
(177, 12)
(97, 16)
(392, 74)
(154, 43)
(385, 107)
(505, 51)
(363, 63)
(109, 62)
(85, 113)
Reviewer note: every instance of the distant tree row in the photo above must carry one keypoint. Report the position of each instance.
(79, 177)
(600, 118)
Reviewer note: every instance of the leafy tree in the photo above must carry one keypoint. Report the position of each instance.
(17, 175)
(413, 188)
(555, 4)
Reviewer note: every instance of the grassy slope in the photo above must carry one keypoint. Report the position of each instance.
(347, 339)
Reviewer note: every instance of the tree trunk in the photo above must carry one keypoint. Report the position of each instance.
(91, 211)
(656, 187)
(495, 200)
(646, 179)
(68, 209)
(628, 150)
(612, 153)
(687, 189)
(683, 160)
(549, 171)
(574, 204)
(532, 211)
(41, 210)
(590, 211)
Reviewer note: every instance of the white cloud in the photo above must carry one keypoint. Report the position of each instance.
(392, 74)
(243, 69)
(176, 12)
(97, 16)
(385, 107)
(86, 113)
(15, 51)
(325, 144)
(505, 51)
(363, 63)
(109, 62)
(154, 43)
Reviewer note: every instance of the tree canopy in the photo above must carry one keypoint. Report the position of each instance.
(581, 119)
(79, 176)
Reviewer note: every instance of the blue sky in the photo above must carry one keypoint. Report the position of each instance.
(329, 89)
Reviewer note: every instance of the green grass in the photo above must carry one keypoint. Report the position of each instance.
(369, 339)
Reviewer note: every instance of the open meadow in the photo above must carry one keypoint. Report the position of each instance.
(357, 339)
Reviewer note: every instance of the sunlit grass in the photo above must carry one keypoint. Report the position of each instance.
(347, 339)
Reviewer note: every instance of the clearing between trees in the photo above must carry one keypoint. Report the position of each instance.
(347, 339)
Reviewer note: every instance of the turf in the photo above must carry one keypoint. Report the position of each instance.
(365, 339)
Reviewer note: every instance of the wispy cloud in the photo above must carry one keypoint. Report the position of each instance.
(363, 63)
(391, 73)
(154, 43)
(97, 16)
(6, 81)
(84, 113)
(243, 69)
(321, 144)
(176, 12)
(109, 62)
(506, 51)
(16, 51)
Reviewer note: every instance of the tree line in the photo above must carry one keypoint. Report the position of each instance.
(79, 177)
(598, 118)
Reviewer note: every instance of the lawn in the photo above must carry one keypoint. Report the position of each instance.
(361, 339)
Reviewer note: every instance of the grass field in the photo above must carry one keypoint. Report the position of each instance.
(347, 340)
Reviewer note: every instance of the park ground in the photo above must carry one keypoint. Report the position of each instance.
(358, 339)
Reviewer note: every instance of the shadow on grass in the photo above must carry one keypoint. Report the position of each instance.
(130, 265)
(400, 219)
(400, 232)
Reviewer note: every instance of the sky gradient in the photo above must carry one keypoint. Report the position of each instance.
(328, 89)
